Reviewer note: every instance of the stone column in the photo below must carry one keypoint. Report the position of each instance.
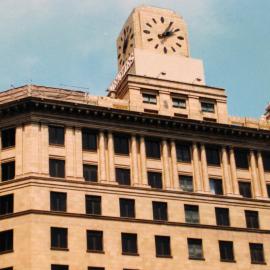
(226, 174)
(261, 175)
(233, 173)
(143, 162)
(174, 166)
(205, 177)
(196, 168)
(255, 179)
(111, 166)
(166, 166)
(70, 151)
(134, 160)
(102, 158)
(19, 151)
(78, 153)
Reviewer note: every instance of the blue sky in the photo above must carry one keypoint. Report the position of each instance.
(72, 42)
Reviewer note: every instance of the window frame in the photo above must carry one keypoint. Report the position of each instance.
(56, 138)
(241, 157)
(155, 183)
(61, 240)
(163, 244)
(181, 102)
(252, 248)
(127, 208)
(87, 175)
(243, 188)
(226, 251)
(6, 241)
(59, 267)
(188, 208)
(60, 205)
(98, 241)
(121, 143)
(149, 98)
(186, 178)
(8, 170)
(222, 220)
(89, 139)
(7, 204)
(126, 239)
(122, 176)
(206, 108)
(160, 211)
(183, 152)
(10, 133)
(96, 206)
(191, 243)
(212, 155)
(218, 189)
(252, 219)
(58, 171)
(152, 148)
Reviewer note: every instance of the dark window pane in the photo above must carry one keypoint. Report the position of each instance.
(152, 148)
(93, 205)
(127, 208)
(56, 135)
(89, 139)
(216, 186)
(59, 267)
(148, 98)
(57, 168)
(129, 243)
(7, 268)
(163, 246)
(8, 137)
(122, 176)
(160, 211)
(183, 152)
(154, 179)
(59, 238)
(192, 213)
(252, 219)
(179, 103)
(226, 251)
(195, 249)
(222, 216)
(186, 183)
(266, 161)
(212, 155)
(256, 253)
(241, 158)
(245, 189)
(8, 170)
(208, 107)
(121, 144)
(59, 201)
(94, 240)
(96, 268)
(6, 241)
(6, 204)
(90, 173)
(268, 190)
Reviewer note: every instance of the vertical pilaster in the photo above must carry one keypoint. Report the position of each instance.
(174, 166)
(166, 167)
(226, 174)
(233, 173)
(134, 160)
(70, 153)
(143, 162)
(196, 168)
(102, 158)
(78, 153)
(205, 177)
(111, 164)
(261, 175)
(255, 179)
(19, 151)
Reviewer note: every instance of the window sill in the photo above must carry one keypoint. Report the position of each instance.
(263, 263)
(164, 256)
(228, 261)
(90, 150)
(6, 251)
(59, 249)
(130, 254)
(6, 214)
(154, 158)
(184, 161)
(58, 177)
(122, 154)
(196, 259)
(57, 145)
(8, 148)
(95, 251)
(58, 211)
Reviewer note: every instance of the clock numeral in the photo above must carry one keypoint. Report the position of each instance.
(176, 30)
(154, 20)
(132, 35)
(131, 45)
(148, 24)
(119, 55)
(149, 39)
(165, 50)
(156, 46)
(146, 31)
(162, 19)
(173, 49)
(179, 45)
(181, 38)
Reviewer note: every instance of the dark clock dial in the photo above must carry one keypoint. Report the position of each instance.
(126, 44)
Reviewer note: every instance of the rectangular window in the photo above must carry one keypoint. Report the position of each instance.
(241, 158)
(183, 152)
(245, 189)
(89, 139)
(90, 173)
(7, 268)
(8, 170)
(121, 144)
(192, 214)
(256, 253)
(95, 268)
(8, 137)
(127, 208)
(160, 211)
(58, 201)
(154, 179)
(152, 148)
(179, 103)
(216, 186)
(195, 248)
(6, 204)
(59, 238)
(208, 107)
(129, 243)
(56, 135)
(268, 190)
(212, 155)
(57, 168)
(266, 161)
(59, 267)
(95, 241)
(122, 176)
(226, 251)
(92, 205)
(163, 246)
(6, 241)
(252, 219)
(186, 183)
(222, 216)
(149, 98)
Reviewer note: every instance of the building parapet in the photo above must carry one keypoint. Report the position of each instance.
(250, 122)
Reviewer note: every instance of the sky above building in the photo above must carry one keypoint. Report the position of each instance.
(66, 43)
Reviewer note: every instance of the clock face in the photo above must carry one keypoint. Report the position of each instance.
(126, 45)
(164, 35)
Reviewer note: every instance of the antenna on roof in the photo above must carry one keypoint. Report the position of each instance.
(76, 87)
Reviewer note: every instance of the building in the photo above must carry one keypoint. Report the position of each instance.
(156, 175)
(267, 113)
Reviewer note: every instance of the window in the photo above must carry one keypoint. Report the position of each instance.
(192, 213)
(57, 168)
(160, 211)
(122, 176)
(127, 208)
(212, 155)
(268, 190)
(163, 246)
(7, 268)
(6, 241)
(256, 253)
(95, 241)
(59, 267)
(152, 148)
(245, 189)
(195, 249)
(59, 238)
(59, 201)
(6, 204)
(95, 268)
(179, 103)
(241, 158)
(129, 243)
(183, 152)
(226, 251)
(222, 216)
(8, 137)
(56, 135)
(186, 183)
(252, 219)
(154, 179)
(93, 205)
(89, 139)
(266, 161)
(208, 107)
(149, 98)
(90, 173)
(216, 186)
(121, 144)
(8, 170)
